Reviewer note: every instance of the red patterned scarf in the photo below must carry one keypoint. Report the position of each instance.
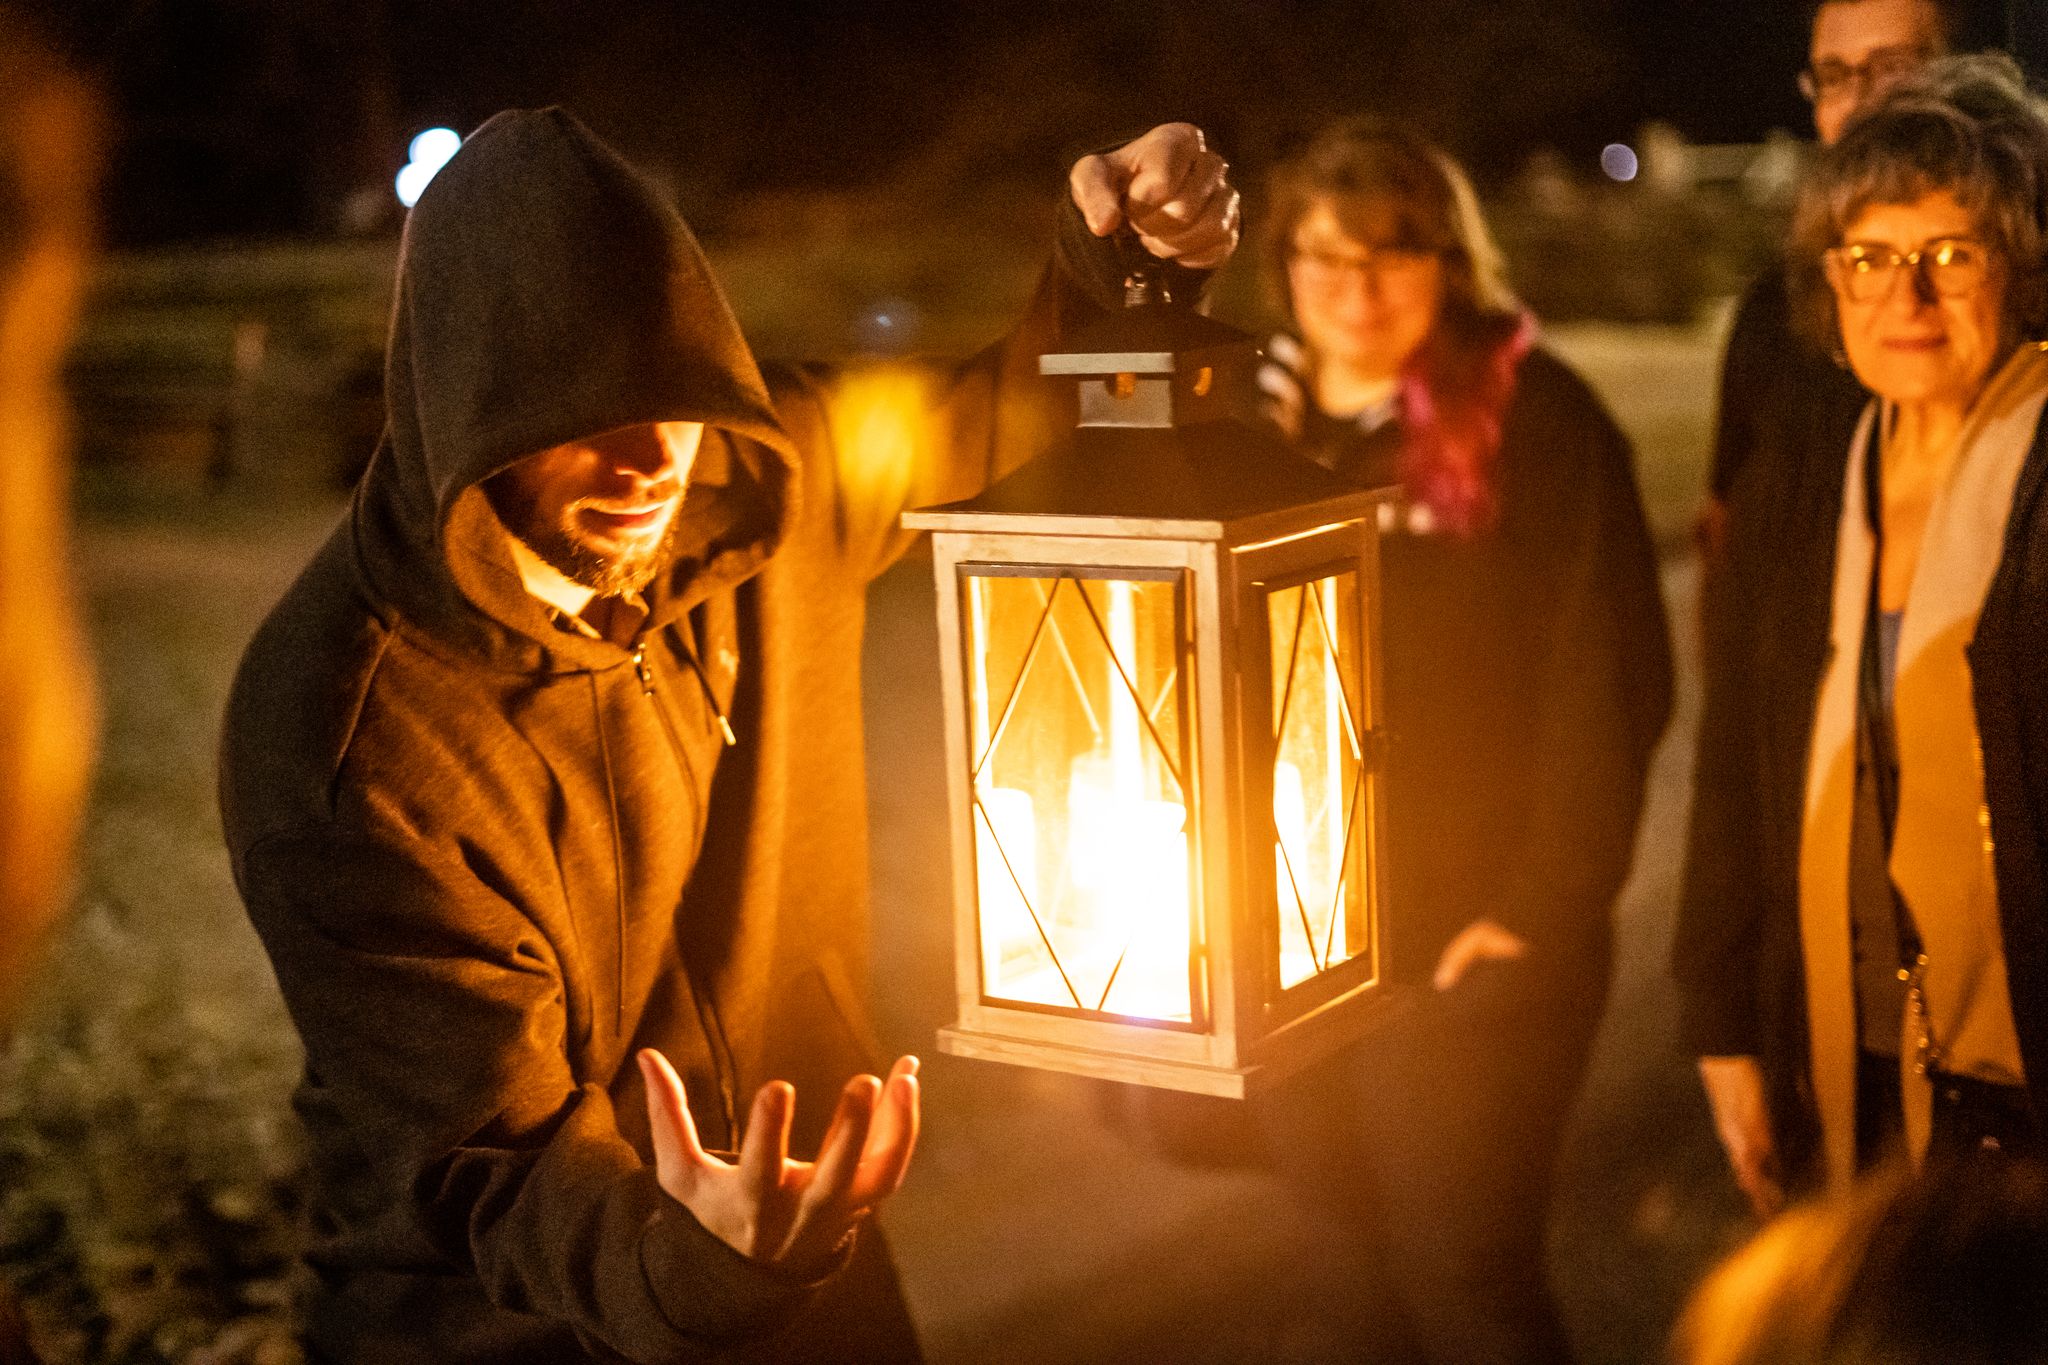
(1454, 401)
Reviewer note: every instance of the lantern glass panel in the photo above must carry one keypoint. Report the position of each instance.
(1320, 793)
(1076, 715)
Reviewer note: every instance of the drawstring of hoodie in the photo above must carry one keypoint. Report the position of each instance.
(645, 672)
(578, 624)
(711, 700)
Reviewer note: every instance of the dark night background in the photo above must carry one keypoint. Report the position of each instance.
(242, 118)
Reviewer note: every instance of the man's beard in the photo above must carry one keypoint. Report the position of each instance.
(568, 550)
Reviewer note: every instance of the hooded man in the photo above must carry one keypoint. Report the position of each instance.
(551, 761)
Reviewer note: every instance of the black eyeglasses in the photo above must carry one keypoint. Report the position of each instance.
(1324, 269)
(1827, 81)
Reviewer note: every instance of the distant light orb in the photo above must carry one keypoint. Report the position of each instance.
(889, 326)
(1619, 161)
(412, 179)
(430, 151)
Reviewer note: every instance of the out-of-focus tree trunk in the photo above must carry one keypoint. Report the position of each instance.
(48, 150)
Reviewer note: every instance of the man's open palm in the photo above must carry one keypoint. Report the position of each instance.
(768, 1207)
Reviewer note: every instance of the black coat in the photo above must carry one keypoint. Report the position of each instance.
(1781, 396)
(1737, 955)
(1527, 680)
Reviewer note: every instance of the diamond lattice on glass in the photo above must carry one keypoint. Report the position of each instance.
(1318, 781)
(1080, 806)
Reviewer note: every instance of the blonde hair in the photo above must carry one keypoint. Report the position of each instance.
(1949, 1267)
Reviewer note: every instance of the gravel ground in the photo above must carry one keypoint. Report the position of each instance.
(149, 1157)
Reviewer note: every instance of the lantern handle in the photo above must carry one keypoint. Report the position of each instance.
(1145, 275)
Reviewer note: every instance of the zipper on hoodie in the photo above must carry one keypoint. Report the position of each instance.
(707, 1009)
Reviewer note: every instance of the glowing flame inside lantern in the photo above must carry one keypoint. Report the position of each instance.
(1317, 793)
(1081, 840)
(1082, 856)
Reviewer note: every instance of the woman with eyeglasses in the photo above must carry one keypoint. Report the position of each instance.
(1527, 677)
(1862, 951)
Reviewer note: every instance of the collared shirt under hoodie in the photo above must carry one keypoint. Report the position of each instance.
(1941, 855)
(490, 858)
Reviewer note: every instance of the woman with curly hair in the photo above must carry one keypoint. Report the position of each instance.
(1862, 953)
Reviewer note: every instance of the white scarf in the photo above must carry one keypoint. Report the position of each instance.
(1941, 848)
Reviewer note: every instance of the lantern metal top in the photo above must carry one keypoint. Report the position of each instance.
(1162, 448)
(1216, 481)
(1153, 337)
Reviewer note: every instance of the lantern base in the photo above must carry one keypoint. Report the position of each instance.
(1229, 1083)
(1282, 1055)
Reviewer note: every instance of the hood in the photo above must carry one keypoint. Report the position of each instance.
(546, 293)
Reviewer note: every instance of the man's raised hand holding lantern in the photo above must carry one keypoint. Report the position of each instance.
(1174, 193)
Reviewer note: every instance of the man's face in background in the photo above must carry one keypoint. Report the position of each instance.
(1860, 49)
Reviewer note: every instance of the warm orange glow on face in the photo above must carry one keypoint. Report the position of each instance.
(1913, 342)
(1365, 303)
(1861, 50)
(599, 510)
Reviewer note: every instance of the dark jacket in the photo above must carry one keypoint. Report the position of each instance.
(491, 858)
(1782, 398)
(1786, 414)
(1527, 680)
(1737, 955)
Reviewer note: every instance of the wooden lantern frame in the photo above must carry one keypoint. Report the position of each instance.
(1233, 517)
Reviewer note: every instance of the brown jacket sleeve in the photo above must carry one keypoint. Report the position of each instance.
(432, 1015)
(880, 438)
(897, 436)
